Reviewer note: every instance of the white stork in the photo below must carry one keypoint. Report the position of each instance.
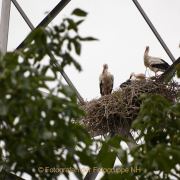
(106, 80)
(155, 64)
(132, 77)
(139, 76)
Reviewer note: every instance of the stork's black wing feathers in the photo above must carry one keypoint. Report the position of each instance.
(112, 79)
(162, 66)
(100, 87)
(166, 64)
(125, 84)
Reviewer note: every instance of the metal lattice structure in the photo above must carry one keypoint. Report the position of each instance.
(5, 22)
(4, 29)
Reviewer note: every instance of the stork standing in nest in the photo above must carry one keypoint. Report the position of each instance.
(106, 80)
(155, 64)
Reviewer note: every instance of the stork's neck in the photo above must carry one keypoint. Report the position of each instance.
(146, 53)
(146, 58)
(105, 70)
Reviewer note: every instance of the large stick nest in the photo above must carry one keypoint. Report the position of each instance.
(115, 113)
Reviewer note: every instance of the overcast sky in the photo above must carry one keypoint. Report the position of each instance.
(122, 32)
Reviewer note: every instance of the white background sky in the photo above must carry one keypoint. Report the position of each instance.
(122, 32)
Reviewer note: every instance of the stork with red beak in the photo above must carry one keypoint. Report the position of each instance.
(155, 64)
(106, 80)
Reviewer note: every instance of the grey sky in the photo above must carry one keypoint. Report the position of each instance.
(122, 31)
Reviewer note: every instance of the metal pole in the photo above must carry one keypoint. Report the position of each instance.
(23, 14)
(4, 25)
(59, 7)
(65, 76)
(154, 30)
(169, 73)
(81, 100)
(91, 175)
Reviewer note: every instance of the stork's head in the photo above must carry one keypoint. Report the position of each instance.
(105, 66)
(147, 49)
(132, 75)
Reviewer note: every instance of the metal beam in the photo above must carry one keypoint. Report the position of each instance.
(59, 7)
(154, 30)
(91, 175)
(65, 76)
(54, 12)
(169, 73)
(4, 25)
(23, 14)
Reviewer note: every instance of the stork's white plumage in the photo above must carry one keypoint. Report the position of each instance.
(155, 64)
(106, 80)
(139, 76)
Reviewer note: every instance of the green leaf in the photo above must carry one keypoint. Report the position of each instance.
(77, 46)
(106, 157)
(85, 159)
(72, 25)
(77, 65)
(79, 12)
(68, 90)
(79, 22)
(69, 45)
(3, 109)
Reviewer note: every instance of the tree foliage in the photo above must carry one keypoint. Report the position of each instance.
(157, 154)
(37, 129)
